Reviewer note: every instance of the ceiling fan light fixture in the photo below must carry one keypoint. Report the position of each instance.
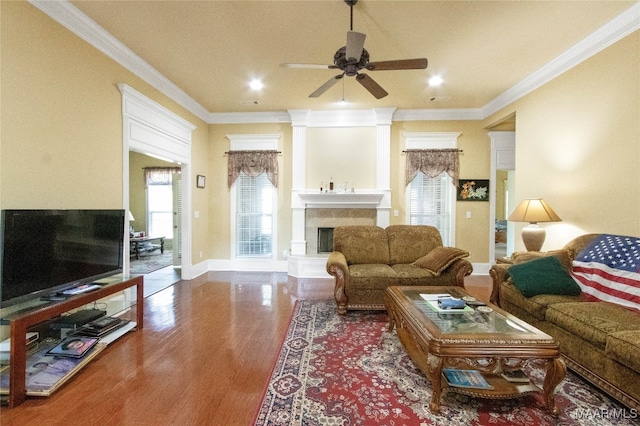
(436, 80)
(256, 84)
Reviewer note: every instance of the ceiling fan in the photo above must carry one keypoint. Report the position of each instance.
(354, 57)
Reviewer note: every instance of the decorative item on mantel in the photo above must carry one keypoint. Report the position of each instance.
(345, 189)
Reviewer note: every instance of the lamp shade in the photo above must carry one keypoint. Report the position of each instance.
(131, 219)
(534, 210)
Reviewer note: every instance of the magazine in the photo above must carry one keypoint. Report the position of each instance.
(73, 347)
(517, 376)
(466, 378)
(46, 373)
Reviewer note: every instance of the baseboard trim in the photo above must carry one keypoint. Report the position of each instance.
(295, 266)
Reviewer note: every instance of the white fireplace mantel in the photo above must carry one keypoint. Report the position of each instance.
(341, 200)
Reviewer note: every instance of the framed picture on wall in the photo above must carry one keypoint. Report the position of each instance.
(473, 190)
(200, 181)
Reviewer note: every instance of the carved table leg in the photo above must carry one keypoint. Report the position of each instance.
(435, 364)
(392, 319)
(391, 313)
(556, 370)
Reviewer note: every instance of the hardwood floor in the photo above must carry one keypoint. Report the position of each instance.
(203, 358)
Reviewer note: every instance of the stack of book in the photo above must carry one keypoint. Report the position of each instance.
(445, 303)
(101, 327)
(465, 378)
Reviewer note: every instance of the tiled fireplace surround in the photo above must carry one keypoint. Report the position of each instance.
(330, 218)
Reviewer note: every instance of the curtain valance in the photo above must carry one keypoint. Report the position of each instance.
(432, 162)
(159, 175)
(253, 163)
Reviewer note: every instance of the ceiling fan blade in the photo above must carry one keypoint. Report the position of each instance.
(320, 90)
(355, 44)
(318, 66)
(374, 88)
(400, 64)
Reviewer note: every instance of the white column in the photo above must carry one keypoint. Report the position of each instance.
(298, 170)
(384, 118)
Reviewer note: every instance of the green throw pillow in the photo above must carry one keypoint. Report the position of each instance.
(545, 275)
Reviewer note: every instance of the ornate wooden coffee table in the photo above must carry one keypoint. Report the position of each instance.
(490, 342)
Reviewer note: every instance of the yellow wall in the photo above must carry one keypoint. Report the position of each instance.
(344, 154)
(501, 177)
(137, 193)
(61, 124)
(578, 145)
(577, 137)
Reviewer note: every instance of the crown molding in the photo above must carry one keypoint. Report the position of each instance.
(438, 114)
(80, 24)
(87, 29)
(248, 117)
(619, 27)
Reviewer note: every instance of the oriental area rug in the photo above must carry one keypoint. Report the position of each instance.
(151, 262)
(349, 370)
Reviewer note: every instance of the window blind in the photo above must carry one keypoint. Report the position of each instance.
(430, 203)
(254, 215)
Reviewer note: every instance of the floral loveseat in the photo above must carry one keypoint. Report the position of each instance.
(563, 293)
(368, 259)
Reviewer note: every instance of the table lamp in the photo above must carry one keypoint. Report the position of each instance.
(131, 219)
(533, 210)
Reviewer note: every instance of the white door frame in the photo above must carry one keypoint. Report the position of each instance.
(503, 153)
(151, 129)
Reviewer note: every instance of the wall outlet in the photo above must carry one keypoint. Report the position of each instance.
(200, 254)
(285, 253)
(468, 215)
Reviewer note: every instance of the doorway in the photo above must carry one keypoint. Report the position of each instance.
(501, 241)
(154, 130)
(155, 203)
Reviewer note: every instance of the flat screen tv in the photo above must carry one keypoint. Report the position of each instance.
(45, 251)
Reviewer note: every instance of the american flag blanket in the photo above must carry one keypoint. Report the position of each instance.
(608, 269)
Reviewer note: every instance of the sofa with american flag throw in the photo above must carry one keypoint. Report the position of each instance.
(587, 297)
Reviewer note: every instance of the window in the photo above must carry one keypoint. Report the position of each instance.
(431, 202)
(160, 200)
(160, 211)
(254, 215)
(253, 182)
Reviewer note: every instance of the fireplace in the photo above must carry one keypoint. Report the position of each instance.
(319, 224)
(313, 209)
(325, 240)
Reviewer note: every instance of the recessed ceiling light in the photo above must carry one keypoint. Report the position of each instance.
(436, 80)
(256, 84)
